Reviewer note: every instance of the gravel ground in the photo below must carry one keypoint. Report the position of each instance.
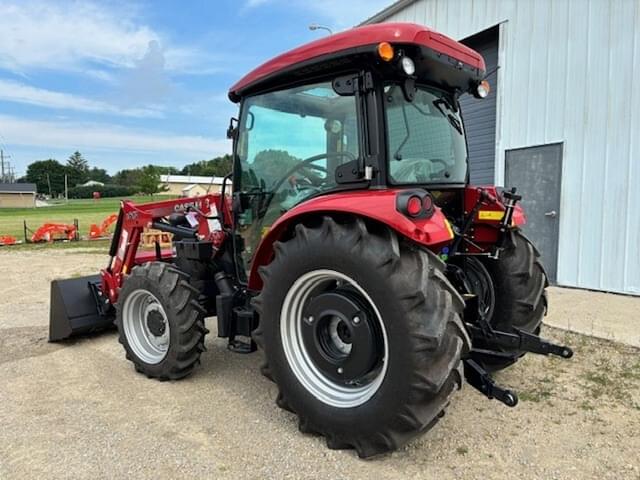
(78, 410)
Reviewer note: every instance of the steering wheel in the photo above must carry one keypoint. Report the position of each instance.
(308, 162)
(419, 167)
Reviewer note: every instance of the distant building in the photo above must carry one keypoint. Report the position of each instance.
(189, 185)
(91, 183)
(17, 195)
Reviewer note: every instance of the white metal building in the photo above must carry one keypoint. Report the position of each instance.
(563, 125)
(190, 185)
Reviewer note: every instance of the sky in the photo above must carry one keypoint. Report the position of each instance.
(139, 82)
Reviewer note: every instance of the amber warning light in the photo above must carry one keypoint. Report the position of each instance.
(385, 51)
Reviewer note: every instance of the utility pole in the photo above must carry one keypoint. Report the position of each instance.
(2, 157)
(66, 189)
(49, 183)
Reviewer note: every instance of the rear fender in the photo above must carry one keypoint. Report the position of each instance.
(378, 205)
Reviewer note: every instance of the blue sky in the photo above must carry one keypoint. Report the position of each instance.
(131, 83)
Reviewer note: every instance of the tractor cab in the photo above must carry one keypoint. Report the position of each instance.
(371, 108)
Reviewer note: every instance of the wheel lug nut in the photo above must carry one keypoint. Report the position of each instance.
(340, 370)
(356, 320)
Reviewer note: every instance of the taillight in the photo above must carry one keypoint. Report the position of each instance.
(415, 204)
(427, 203)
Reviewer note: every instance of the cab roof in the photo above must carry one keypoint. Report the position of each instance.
(355, 40)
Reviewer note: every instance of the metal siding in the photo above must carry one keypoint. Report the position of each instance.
(480, 115)
(568, 68)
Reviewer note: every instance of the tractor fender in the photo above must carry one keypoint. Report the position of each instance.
(379, 205)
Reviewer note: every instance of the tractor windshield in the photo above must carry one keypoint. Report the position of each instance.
(426, 141)
(289, 145)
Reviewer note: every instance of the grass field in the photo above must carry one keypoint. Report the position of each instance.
(85, 211)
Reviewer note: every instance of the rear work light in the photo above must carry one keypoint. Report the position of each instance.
(408, 67)
(482, 90)
(415, 204)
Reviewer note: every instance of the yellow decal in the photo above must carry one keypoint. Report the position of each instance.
(449, 229)
(264, 231)
(490, 215)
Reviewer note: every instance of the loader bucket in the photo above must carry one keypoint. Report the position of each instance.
(75, 308)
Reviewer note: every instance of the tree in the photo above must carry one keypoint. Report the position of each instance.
(77, 169)
(98, 175)
(273, 164)
(216, 167)
(132, 177)
(48, 175)
(149, 180)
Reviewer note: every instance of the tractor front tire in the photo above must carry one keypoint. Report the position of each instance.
(160, 322)
(520, 283)
(362, 333)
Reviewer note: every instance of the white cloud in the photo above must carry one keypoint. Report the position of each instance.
(72, 35)
(16, 92)
(72, 135)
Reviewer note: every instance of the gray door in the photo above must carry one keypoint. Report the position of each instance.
(536, 172)
(480, 115)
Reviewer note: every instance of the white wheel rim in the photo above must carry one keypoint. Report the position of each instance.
(148, 347)
(300, 362)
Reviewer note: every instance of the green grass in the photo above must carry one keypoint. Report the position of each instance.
(462, 450)
(85, 211)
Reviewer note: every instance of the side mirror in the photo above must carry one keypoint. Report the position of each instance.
(233, 128)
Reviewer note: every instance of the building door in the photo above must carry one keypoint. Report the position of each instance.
(479, 115)
(536, 172)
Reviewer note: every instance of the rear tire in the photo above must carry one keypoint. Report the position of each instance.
(520, 296)
(421, 340)
(160, 322)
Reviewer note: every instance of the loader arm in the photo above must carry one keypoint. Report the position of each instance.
(133, 219)
(83, 305)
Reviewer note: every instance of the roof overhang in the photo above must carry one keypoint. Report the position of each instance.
(336, 49)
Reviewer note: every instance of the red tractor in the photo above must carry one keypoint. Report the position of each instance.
(353, 250)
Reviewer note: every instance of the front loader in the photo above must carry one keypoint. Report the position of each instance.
(353, 250)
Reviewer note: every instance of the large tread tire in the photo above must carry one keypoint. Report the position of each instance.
(520, 292)
(421, 313)
(185, 316)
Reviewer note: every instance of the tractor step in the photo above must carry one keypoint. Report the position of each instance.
(242, 347)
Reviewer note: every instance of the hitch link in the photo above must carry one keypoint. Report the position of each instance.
(480, 379)
(519, 340)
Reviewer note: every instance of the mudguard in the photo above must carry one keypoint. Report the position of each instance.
(75, 308)
(379, 205)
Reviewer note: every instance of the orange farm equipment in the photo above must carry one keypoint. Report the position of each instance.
(7, 240)
(102, 231)
(50, 232)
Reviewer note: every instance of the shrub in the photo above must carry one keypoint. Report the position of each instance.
(108, 190)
